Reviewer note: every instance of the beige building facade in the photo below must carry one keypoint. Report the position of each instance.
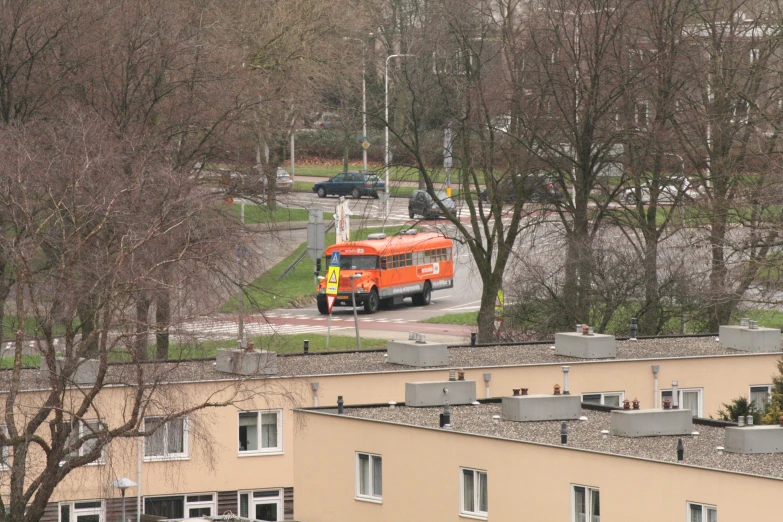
(424, 470)
(242, 458)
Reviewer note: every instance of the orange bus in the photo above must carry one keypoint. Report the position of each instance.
(410, 264)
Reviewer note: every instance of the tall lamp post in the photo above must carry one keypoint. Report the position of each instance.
(386, 159)
(364, 97)
(122, 484)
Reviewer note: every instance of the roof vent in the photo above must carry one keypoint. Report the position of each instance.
(527, 408)
(585, 344)
(246, 362)
(651, 423)
(439, 393)
(754, 439)
(417, 353)
(750, 337)
(379, 235)
(85, 371)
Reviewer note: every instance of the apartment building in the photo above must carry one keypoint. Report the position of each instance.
(385, 463)
(240, 458)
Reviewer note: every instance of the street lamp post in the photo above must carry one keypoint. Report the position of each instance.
(364, 98)
(122, 484)
(386, 159)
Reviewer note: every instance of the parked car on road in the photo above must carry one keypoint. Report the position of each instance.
(284, 180)
(676, 189)
(535, 187)
(422, 204)
(351, 183)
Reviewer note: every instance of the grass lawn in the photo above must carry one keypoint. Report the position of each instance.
(259, 214)
(464, 318)
(269, 291)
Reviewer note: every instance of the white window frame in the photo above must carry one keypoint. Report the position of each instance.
(619, 394)
(477, 514)
(77, 432)
(5, 452)
(184, 455)
(638, 107)
(212, 504)
(277, 498)
(276, 450)
(704, 508)
(769, 393)
(74, 512)
(372, 496)
(680, 391)
(588, 500)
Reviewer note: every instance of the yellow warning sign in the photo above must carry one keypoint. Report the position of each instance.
(499, 301)
(332, 280)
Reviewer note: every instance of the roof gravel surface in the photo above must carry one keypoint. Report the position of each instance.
(372, 362)
(699, 450)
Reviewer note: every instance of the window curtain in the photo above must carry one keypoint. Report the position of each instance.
(712, 515)
(580, 501)
(696, 513)
(364, 474)
(269, 430)
(612, 400)
(248, 431)
(690, 401)
(176, 433)
(377, 476)
(759, 395)
(468, 491)
(595, 505)
(153, 444)
(483, 502)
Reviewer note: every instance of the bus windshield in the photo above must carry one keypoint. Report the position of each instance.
(358, 262)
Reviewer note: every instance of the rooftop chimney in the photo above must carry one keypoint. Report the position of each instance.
(563, 433)
(634, 328)
(680, 451)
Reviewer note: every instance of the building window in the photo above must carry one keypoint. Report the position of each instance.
(90, 511)
(181, 506)
(642, 113)
(605, 398)
(687, 399)
(261, 505)
(169, 441)
(369, 477)
(260, 432)
(78, 433)
(761, 395)
(473, 501)
(702, 513)
(586, 504)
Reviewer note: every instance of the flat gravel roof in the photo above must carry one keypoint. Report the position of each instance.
(699, 450)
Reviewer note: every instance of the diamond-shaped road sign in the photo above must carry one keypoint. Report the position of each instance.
(366, 144)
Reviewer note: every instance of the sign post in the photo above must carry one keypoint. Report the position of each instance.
(332, 284)
(500, 302)
(447, 158)
(316, 239)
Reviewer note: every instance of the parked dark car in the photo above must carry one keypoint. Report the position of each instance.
(535, 188)
(422, 204)
(353, 183)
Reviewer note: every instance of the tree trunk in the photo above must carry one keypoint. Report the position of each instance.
(486, 314)
(718, 299)
(142, 326)
(162, 321)
(346, 149)
(650, 317)
(87, 316)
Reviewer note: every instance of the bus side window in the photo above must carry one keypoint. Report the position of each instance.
(426, 256)
(383, 262)
(409, 259)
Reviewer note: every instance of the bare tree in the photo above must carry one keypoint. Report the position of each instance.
(73, 207)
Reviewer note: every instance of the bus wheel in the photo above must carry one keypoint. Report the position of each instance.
(372, 302)
(322, 308)
(424, 298)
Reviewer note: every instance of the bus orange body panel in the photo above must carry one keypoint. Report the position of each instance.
(392, 268)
